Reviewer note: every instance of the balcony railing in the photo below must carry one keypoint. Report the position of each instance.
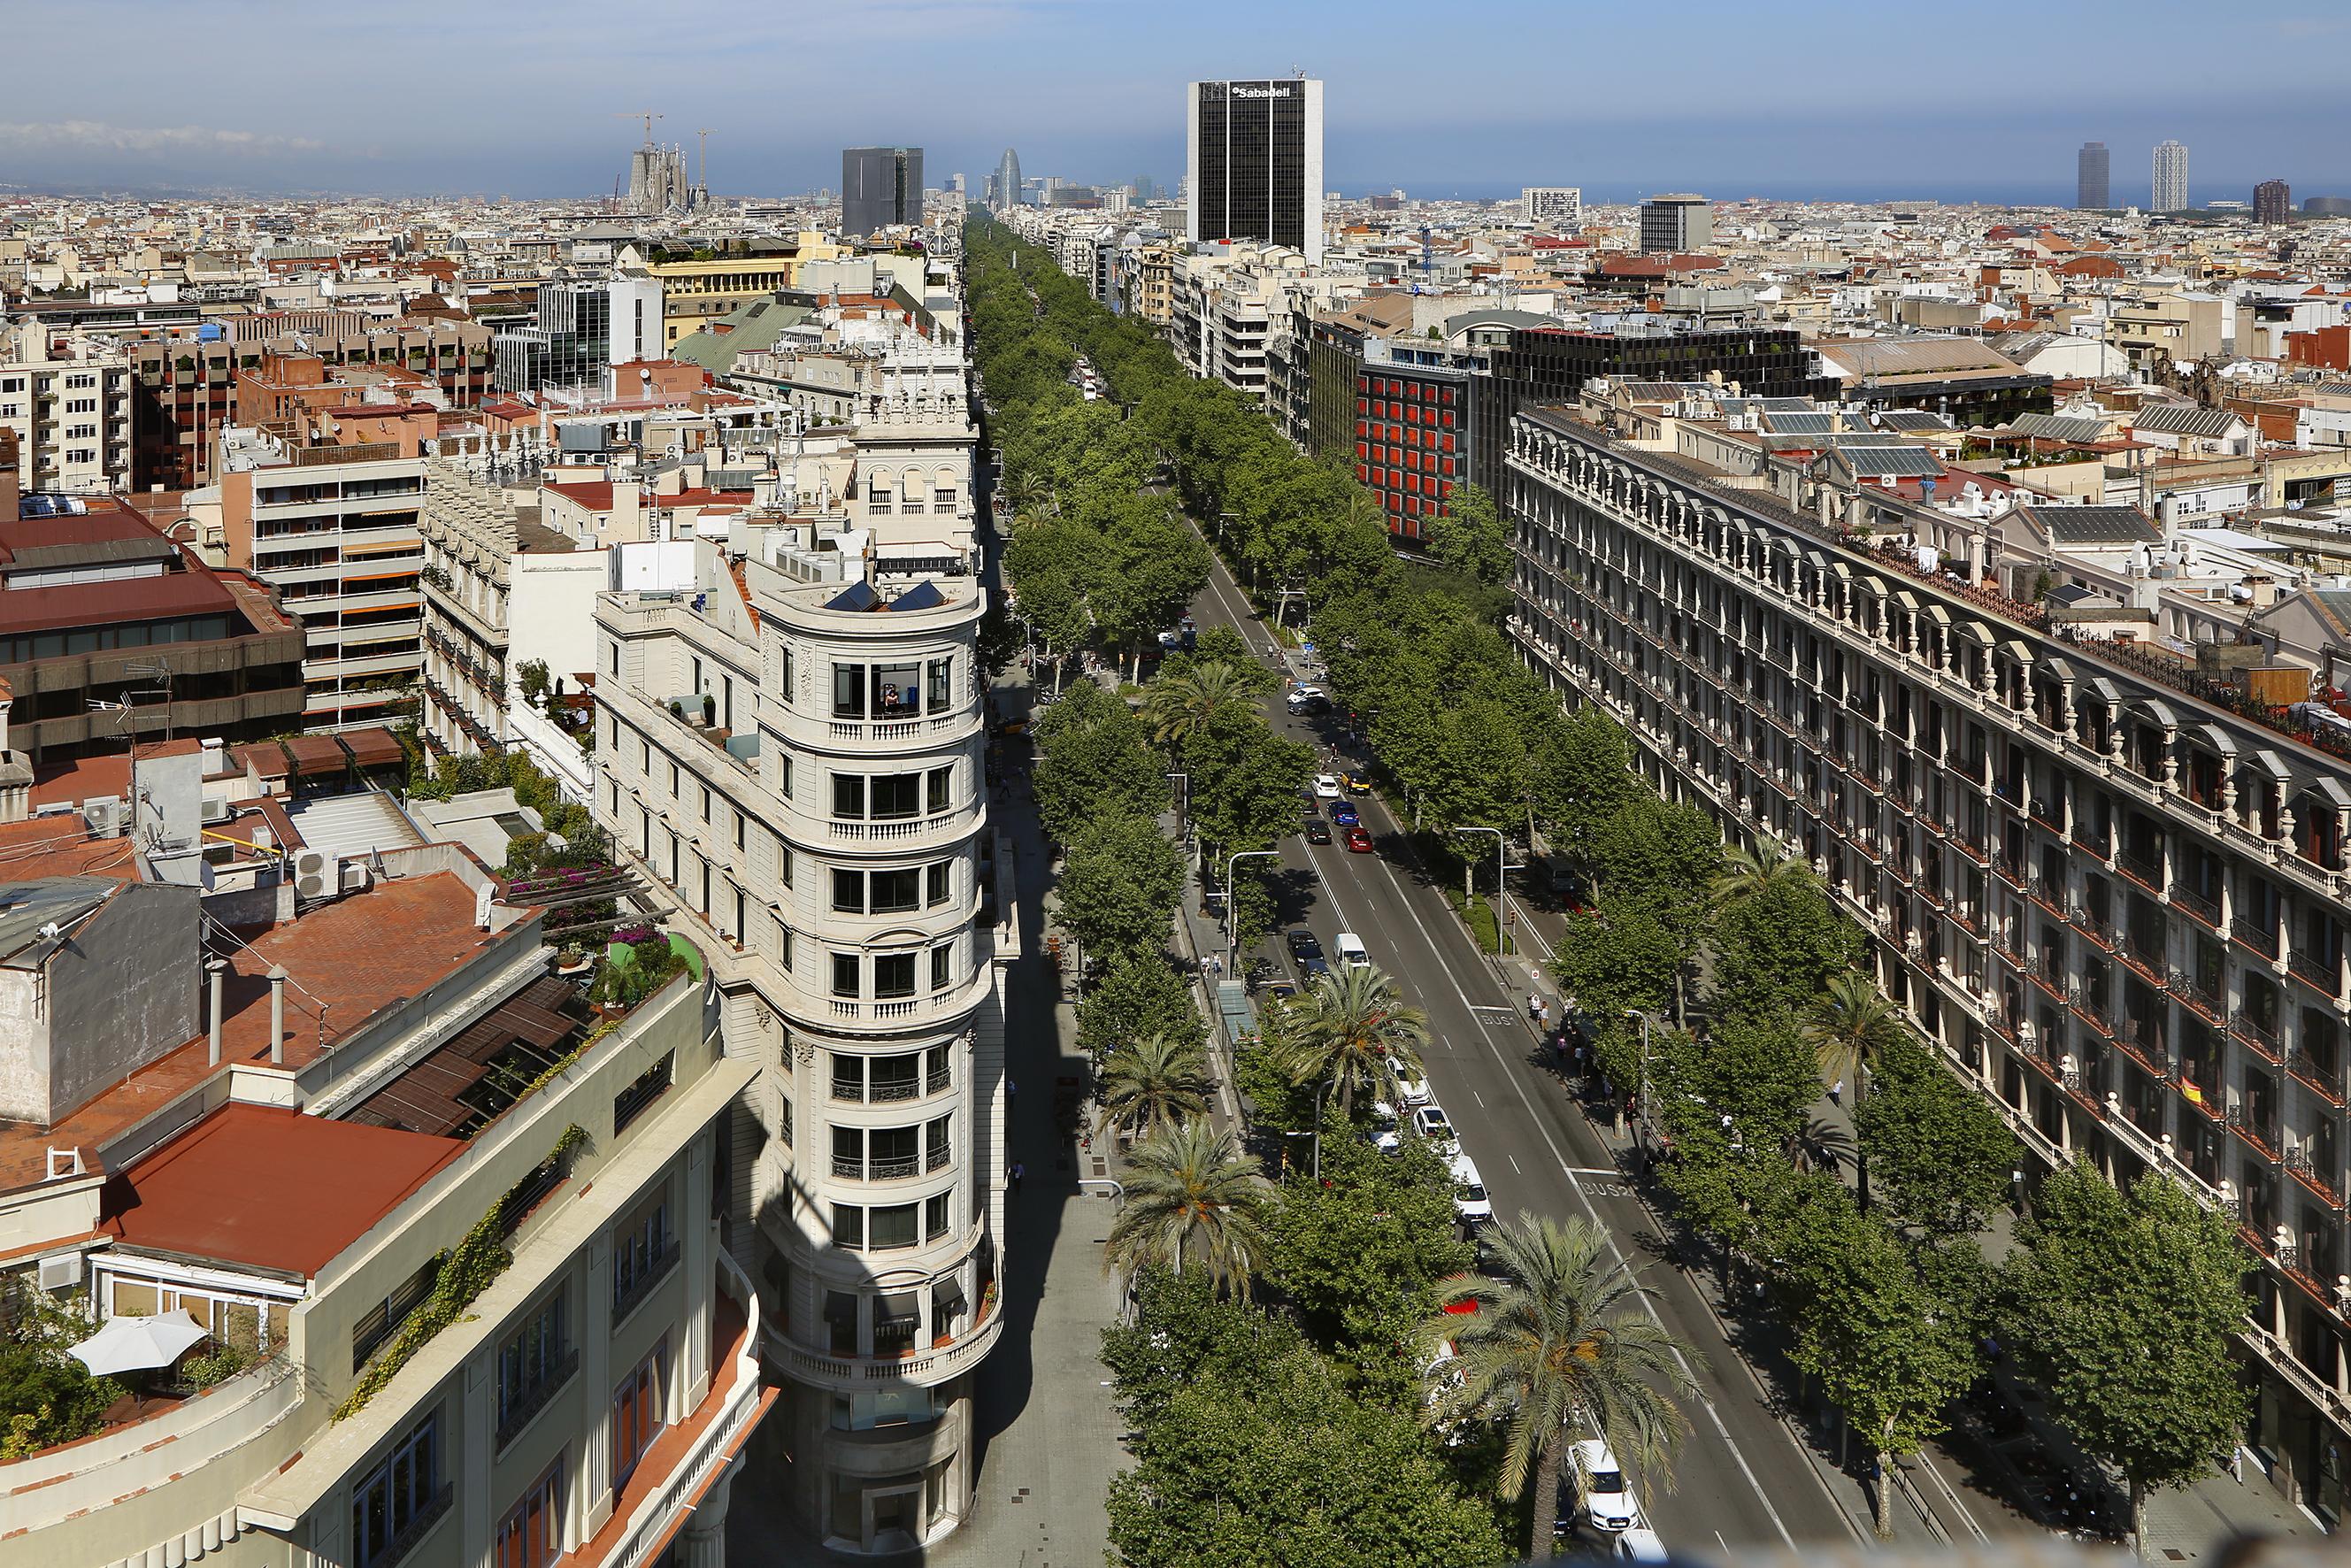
(534, 1399)
(628, 1297)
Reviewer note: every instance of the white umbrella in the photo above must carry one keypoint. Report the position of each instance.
(128, 1345)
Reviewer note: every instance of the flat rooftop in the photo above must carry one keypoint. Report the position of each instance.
(270, 1189)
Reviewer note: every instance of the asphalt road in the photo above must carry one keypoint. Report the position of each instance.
(1744, 1479)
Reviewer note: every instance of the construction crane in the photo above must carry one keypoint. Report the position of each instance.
(647, 115)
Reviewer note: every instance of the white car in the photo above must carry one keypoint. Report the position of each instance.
(1640, 1544)
(1602, 1491)
(1414, 1091)
(1326, 787)
(1428, 1121)
(1471, 1206)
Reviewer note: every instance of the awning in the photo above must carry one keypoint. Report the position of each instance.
(899, 1307)
(374, 746)
(946, 1294)
(315, 754)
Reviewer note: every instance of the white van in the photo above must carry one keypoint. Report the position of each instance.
(1349, 950)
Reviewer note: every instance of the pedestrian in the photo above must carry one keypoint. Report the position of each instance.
(1534, 1006)
(1836, 1093)
(1542, 1015)
(1015, 1173)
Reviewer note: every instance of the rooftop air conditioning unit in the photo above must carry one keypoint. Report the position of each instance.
(102, 815)
(216, 809)
(310, 875)
(355, 876)
(61, 1271)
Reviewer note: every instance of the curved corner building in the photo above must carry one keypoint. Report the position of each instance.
(791, 750)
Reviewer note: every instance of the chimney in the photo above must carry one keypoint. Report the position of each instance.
(278, 1013)
(215, 971)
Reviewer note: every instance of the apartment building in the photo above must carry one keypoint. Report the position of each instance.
(790, 751)
(69, 406)
(334, 529)
(286, 1139)
(2115, 903)
(695, 292)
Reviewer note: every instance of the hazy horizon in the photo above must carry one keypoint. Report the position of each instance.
(1825, 99)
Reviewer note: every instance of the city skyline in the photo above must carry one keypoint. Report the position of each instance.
(1085, 94)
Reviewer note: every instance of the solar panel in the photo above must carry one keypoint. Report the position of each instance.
(1868, 438)
(1802, 423)
(1894, 463)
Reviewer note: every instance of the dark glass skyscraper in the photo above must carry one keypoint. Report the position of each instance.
(879, 186)
(1254, 155)
(2090, 177)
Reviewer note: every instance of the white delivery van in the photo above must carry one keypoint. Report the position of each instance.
(1349, 950)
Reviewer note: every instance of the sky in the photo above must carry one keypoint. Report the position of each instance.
(1797, 100)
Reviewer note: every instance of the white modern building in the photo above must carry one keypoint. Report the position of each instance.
(1556, 207)
(2170, 177)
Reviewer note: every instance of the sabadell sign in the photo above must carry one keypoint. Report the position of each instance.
(1260, 92)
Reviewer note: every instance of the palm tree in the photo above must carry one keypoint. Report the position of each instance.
(1851, 1028)
(1026, 490)
(1187, 702)
(1154, 1083)
(1819, 1144)
(1749, 873)
(1562, 1347)
(1191, 1199)
(1352, 1028)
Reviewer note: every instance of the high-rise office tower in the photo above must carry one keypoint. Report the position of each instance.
(1253, 156)
(1678, 222)
(2273, 201)
(2090, 186)
(879, 186)
(2170, 177)
(1007, 179)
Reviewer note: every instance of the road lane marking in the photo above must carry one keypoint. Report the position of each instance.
(1514, 1163)
(1647, 1302)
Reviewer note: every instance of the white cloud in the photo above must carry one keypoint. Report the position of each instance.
(94, 135)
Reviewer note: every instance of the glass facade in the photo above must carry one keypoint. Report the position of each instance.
(1251, 180)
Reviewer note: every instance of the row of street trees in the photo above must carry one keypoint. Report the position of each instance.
(2117, 1302)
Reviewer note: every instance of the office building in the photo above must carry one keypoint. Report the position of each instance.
(880, 187)
(1676, 223)
(2090, 182)
(2112, 905)
(1559, 208)
(2170, 177)
(98, 611)
(2273, 201)
(1007, 180)
(1254, 162)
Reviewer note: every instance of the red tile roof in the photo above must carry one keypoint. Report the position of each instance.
(270, 1189)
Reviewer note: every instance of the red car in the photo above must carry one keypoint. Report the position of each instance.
(1358, 841)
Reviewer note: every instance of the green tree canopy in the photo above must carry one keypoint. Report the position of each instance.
(1120, 885)
(1469, 536)
(2120, 1306)
(1939, 1158)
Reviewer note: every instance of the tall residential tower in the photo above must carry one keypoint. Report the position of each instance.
(2170, 177)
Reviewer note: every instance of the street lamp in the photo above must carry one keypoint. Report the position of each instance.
(1648, 1126)
(1501, 879)
(1232, 921)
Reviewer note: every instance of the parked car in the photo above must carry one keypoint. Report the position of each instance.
(1318, 831)
(1471, 1206)
(1428, 1121)
(1326, 786)
(1598, 1482)
(1640, 1544)
(1358, 841)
